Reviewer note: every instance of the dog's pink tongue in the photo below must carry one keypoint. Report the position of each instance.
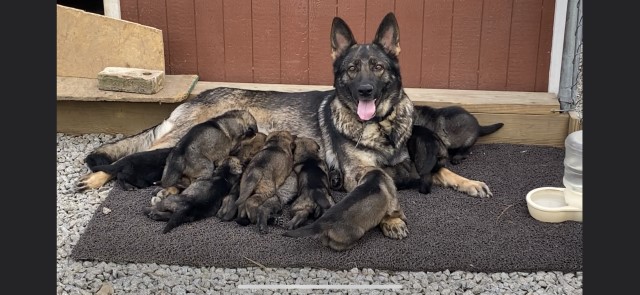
(366, 109)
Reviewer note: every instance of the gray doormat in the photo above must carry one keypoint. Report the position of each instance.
(447, 229)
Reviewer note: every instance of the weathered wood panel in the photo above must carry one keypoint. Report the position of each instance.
(266, 40)
(494, 44)
(79, 53)
(321, 13)
(210, 39)
(238, 58)
(465, 44)
(523, 51)
(409, 15)
(294, 28)
(544, 46)
(182, 31)
(449, 44)
(436, 43)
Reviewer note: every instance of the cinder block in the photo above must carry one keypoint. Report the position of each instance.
(131, 80)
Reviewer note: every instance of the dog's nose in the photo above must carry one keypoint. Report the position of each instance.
(365, 90)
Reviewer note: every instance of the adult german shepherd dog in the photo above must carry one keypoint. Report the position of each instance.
(365, 120)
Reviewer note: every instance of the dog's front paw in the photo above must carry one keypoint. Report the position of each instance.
(476, 188)
(394, 228)
(92, 180)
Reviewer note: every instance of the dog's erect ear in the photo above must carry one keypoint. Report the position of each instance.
(341, 38)
(388, 35)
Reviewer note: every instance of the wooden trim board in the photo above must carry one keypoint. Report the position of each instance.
(526, 121)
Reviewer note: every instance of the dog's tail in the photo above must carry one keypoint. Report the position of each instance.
(488, 129)
(307, 230)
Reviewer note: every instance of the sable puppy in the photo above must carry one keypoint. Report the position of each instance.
(370, 204)
(456, 127)
(201, 199)
(244, 151)
(314, 195)
(264, 174)
(203, 147)
(138, 170)
(428, 153)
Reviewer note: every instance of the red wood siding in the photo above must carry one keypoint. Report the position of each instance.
(457, 44)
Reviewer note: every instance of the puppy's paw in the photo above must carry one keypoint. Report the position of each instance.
(299, 218)
(228, 209)
(394, 228)
(92, 180)
(155, 200)
(165, 192)
(475, 188)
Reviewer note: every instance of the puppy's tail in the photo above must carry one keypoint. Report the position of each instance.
(307, 230)
(486, 130)
(181, 216)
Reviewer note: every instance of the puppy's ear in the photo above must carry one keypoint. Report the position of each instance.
(388, 35)
(341, 38)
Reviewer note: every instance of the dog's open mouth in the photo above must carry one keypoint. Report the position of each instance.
(366, 109)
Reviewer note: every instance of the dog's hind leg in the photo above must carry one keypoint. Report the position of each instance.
(447, 178)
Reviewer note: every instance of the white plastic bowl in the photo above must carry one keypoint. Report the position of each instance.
(548, 204)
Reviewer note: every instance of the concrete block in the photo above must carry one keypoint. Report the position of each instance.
(131, 80)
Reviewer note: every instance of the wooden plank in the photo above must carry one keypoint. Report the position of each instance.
(80, 117)
(129, 10)
(321, 15)
(266, 38)
(182, 37)
(353, 13)
(153, 13)
(575, 122)
(547, 130)
(176, 89)
(409, 14)
(294, 26)
(465, 44)
(523, 51)
(544, 46)
(128, 118)
(436, 43)
(238, 42)
(376, 10)
(80, 54)
(494, 44)
(515, 102)
(210, 40)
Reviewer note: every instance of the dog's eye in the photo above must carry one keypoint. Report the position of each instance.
(351, 69)
(378, 68)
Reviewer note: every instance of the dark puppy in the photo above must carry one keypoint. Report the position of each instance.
(202, 148)
(428, 153)
(264, 174)
(244, 152)
(314, 196)
(201, 199)
(456, 127)
(372, 202)
(138, 170)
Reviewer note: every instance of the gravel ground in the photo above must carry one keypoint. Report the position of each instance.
(74, 210)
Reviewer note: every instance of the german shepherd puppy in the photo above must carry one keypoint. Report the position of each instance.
(365, 120)
(428, 153)
(201, 199)
(203, 147)
(135, 171)
(264, 174)
(373, 200)
(244, 152)
(314, 195)
(457, 129)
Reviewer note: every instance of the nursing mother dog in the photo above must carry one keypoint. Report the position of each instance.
(365, 120)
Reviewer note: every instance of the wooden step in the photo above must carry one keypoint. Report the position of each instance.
(529, 117)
